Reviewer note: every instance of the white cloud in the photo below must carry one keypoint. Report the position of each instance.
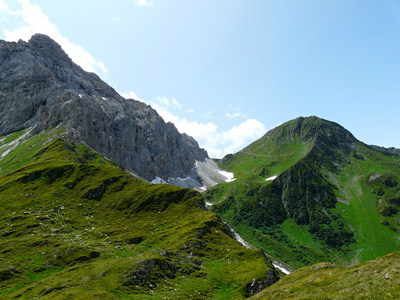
(239, 136)
(169, 103)
(236, 115)
(143, 3)
(176, 104)
(33, 21)
(130, 95)
(217, 143)
(163, 101)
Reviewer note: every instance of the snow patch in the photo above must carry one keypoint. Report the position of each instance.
(271, 178)
(13, 144)
(208, 171)
(229, 176)
(281, 267)
(238, 237)
(157, 180)
(211, 174)
(5, 153)
(275, 263)
(187, 182)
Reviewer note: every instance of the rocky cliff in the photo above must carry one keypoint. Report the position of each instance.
(41, 88)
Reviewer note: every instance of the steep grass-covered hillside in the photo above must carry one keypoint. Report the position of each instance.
(375, 279)
(308, 191)
(74, 225)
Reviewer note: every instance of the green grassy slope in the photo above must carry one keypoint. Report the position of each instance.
(334, 198)
(371, 185)
(74, 225)
(375, 279)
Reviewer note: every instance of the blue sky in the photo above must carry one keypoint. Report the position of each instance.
(227, 71)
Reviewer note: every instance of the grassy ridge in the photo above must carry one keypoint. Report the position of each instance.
(376, 279)
(72, 223)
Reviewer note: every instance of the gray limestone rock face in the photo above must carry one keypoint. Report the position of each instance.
(41, 87)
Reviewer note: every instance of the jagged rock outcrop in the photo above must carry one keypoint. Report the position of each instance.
(41, 87)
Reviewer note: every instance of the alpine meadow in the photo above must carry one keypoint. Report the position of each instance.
(100, 198)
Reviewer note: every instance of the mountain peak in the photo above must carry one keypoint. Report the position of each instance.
(315, 175)
(318, 139)
(40, 40)
(308, 129)
(46, 46)
(42, 88)
(321, 137)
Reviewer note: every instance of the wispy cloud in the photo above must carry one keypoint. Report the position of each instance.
(235, 115)
(143, 3)
(176, 104)
(163, 101)
(32, 20)
(116, 19)
(217, 142)
(5, 9)
(209, 114)
(173, 103)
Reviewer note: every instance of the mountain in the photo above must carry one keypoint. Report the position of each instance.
(74, 225)
(79, 218)
(309, 191)
(41, 89)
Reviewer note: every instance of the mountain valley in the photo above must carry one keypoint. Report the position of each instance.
(101, 199)
(74, 224)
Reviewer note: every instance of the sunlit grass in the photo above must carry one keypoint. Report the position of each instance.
(73, 224)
